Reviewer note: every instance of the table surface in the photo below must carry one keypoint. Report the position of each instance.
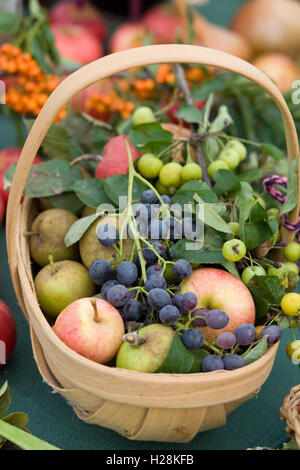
(255, 423)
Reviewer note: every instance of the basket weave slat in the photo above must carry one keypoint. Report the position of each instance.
(290, 412)
(157, 407)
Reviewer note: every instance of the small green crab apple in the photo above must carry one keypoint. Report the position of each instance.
(234, 250)
(216, 166)
(239, 147)
(231, 157)
(251, 271)
(142, 115)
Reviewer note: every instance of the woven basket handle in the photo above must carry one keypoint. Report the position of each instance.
(115, 63)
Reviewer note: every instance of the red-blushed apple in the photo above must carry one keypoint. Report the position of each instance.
(8, 333)
(115, 157)
(218, 289)
(68, 12)
(163, 23)
(76, 43)
(2, 210)
(91, 327)
(8, 156)
(126, 36)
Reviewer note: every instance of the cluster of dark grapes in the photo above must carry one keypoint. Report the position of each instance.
(121, 286)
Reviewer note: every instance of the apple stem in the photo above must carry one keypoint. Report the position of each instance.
(52, 265)
(133, 339)
(96, 313)
(29, 234)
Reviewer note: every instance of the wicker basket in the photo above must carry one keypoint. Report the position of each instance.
(156, 407)
(290, 413)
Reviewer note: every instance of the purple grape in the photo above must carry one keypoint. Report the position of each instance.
(226, 340)
(157, 229)
(117, 295)
(107, 235)
(177, 301)
(127, 273)
(233, 361)
(158, 298)
(153, 269)
(182, 269)
(132, 311)
(217, 319)
(142, 212)
(189, 301)
(100, 271)
(149, 256)
(201, 312)
(169, 315)
(106, 286)
(245, 334)
(166, 199)
(155, 280)
(149, 197)
(274, 334)
(192, 338)
(212, 362)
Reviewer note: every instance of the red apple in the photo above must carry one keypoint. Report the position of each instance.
(163, 23)
(126, 36)
(91, 327)
(8, 156)
(218, 289)
(2, 209)
(8, 333)
(67, 12)
(115, 158)
(76, 43)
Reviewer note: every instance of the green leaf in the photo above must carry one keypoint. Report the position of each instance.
(210, 217)
(117, 186)
(10, 23)
(244, 197)
(222, 120)
(150, 137)
(266, 290)
(23, 439)
(78, 229)
(292, 188)
(250, 236)
(5, 399)
(185, 194)
(271, 150)
(259, 350)
(68, 201)
(210, 253)
(226, 182)
(51, 178)
(35, 9)
(190, 113)
(179, 359)
(56, 142)
(91, 192)
(207, 110)
(258, 213)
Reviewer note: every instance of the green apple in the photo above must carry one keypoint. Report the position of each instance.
(61, 283)
(281, 272)
(234, 250)
(148, 356)
(142, 115)
(231, 157)
(47, 237)
(239, 147)
(251, 271)
(291, 252)
(216, 166)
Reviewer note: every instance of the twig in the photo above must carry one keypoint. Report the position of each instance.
(195, 139)
(87, 157)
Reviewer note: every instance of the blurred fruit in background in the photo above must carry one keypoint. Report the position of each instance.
(81, 14)
(282, 69)
(126, 36)
(269, 25)
(76, 43)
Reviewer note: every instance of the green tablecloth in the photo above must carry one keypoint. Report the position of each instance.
(256, 423)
